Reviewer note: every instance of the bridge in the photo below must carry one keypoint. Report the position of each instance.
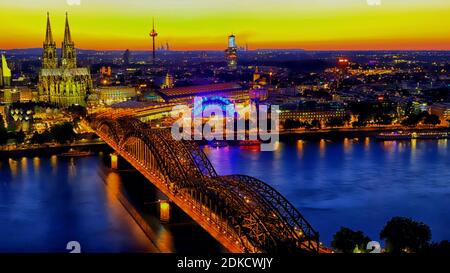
(244, 214)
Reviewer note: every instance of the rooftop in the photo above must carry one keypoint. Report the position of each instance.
(82, 71)
(180, 92)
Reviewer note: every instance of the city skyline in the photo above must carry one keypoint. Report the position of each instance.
(200, 25)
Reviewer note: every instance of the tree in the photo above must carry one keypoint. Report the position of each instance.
(45, 137)
(405, 235)
(412, 120)
(19, 137)
(291, 124)
(316, 124)
(63, 132)
(432, 120)
(346, 240)
(438, 248)
(347, 118)
(359, 123)
(335, 122)
(384, 119)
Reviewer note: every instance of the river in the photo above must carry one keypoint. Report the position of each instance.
(48, 201)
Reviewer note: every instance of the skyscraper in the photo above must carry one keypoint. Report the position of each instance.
(231, 53)
(126, 57)
(63, 84)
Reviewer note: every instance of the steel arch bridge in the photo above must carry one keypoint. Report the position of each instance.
(241, 212)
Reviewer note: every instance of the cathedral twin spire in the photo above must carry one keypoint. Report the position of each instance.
(68, 52)
(67, 37)
(48, 34)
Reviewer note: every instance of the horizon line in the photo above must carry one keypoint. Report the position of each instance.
(257, 49)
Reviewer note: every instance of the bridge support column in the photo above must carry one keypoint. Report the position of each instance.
(114, 161)
(164, 210)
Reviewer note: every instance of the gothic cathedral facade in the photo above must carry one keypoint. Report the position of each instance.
(62, 83)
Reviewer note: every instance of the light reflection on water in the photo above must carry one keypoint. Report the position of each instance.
(359, 184)
(46, 202)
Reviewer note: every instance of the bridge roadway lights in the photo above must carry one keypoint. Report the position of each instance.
(114, 161)
(164, 210)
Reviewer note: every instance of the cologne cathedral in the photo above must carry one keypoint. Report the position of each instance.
(62, 83)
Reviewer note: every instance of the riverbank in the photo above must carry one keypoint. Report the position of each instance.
(50, 149)
(340, 133)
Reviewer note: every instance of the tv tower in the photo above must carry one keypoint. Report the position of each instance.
(153, 34)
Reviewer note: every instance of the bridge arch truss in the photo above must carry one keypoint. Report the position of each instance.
(243, 213)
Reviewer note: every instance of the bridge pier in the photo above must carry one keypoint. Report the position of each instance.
(164, 210)
(114, 161)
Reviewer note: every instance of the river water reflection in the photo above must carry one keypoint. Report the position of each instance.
(359, 183)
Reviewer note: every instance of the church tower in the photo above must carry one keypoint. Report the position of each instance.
(49, 57)
(68, 54)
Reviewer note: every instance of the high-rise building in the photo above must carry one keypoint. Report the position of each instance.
(63, 84)
(5, 73)
(231, 53)
(126, 57)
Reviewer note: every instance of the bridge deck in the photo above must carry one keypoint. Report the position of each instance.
(195, 210)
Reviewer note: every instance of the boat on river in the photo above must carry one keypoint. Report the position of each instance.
(400, 135)
(76, 153)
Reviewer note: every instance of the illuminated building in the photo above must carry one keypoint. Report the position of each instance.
(63, 84)
(310, 115)
(258, 91)
(11, 95)
(231, 53)
(232, 91)
(260, 94)
(168, 81)
(111, 94)
(5, 73)
(3, 109)
(442, 110)
(309, 111)
(105, 73)
(153, 34)
(256, 75)
(343, 62)
(26, 94)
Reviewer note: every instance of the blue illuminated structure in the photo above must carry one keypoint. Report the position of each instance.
(204, 103)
